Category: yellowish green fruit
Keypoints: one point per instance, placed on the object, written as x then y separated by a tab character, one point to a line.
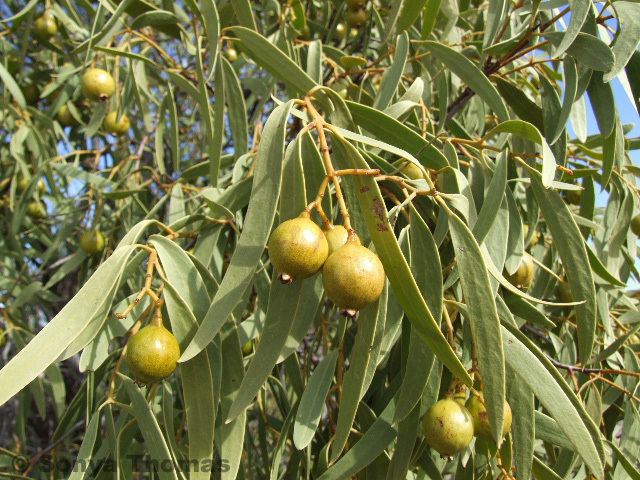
36	210
635	225
152	354
297	248
3	337
247	348
92	241
231	54
341	31
564	292
115	125
523	276
336	237
478	412
24	182
97	84
410	170
353	277
447	427
65	117
356	18
535	238
45	26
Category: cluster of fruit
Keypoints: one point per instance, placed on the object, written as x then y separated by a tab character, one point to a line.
352	275
451	423
97	85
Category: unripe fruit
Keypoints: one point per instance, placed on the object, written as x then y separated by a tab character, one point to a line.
353	277
36	210
447	427
353	4
635	225
231	54
152	354
247	348
97	84
410	170
535	238
297	248
341	31
23	184
523	276
573	196
45	26
478	412
31	93
115	125
65	117
356	18
336	237
92	241
564	292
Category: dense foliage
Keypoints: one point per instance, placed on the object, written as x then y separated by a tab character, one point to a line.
149	148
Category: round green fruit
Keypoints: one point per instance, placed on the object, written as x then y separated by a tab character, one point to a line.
65	118
45	26
478	412
247	348
635	225
231	54
152	354
448	427
36	210
523	276
92	241
24	182
353	277
564	292
410	170
356	18
354	4
115	125
337	236
297	248
341	31
97	84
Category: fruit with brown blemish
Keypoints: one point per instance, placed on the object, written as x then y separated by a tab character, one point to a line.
478	411
97	84
448	427
353	277
152	354
297	248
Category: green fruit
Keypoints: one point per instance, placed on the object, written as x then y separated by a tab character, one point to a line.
336	237
356	18
31	94
573	196
635	225
564	292
353	277
247	348
45	26
478	412
535	238
523	276
36	210
297	248
341	31
115	125
23	184
354	4
92	241
97	84
231	54
152	354
65	118
447	427
410	170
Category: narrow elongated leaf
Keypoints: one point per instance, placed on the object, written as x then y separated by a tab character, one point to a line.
392	77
